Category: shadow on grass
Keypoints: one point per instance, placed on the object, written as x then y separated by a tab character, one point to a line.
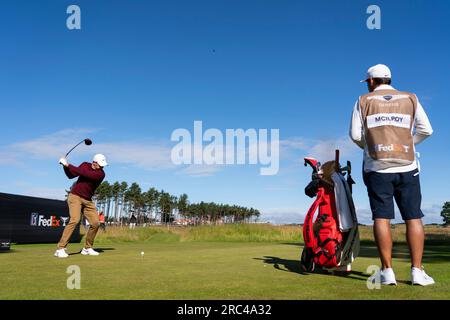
436	250
294	266
99	250
104	249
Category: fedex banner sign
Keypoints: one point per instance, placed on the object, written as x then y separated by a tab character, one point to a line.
38	220
33	220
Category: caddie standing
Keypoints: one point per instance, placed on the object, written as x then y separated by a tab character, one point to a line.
387	124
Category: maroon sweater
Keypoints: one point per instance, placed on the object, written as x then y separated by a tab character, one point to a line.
88	179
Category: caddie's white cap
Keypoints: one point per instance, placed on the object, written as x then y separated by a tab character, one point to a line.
101	160
378	71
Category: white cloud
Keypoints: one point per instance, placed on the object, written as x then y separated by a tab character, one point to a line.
151	155
432	215
325	150
201	170
144	155
8	158
283	215
28	189
322	150
296	143
364	215
47	193
297	215
51	146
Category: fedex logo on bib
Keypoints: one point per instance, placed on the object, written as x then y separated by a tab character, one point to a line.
389	119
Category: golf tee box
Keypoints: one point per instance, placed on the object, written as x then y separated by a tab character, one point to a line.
33	220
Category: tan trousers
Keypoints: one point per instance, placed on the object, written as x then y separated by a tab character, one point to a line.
78	206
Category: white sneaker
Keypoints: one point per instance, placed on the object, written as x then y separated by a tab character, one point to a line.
386	276
89	252
61	253
419	277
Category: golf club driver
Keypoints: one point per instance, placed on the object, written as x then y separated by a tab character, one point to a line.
87	142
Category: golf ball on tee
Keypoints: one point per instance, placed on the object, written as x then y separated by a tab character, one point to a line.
142	253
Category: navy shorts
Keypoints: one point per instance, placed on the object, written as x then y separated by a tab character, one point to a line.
404	187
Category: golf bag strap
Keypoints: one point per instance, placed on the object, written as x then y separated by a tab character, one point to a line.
324	243
325	253
308	232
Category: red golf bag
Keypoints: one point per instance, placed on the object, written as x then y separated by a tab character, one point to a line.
326	245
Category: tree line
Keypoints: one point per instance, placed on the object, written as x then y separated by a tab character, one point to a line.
120	201
445	213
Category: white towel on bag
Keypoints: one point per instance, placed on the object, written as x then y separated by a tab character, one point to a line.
344	212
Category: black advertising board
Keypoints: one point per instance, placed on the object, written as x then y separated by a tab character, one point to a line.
33	220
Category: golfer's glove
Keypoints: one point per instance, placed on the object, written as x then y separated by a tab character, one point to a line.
64	162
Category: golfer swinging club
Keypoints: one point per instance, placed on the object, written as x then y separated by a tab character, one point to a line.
387	124
90	176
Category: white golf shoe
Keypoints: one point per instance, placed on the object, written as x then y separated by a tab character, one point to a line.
419	277
89	252
61	253
386	277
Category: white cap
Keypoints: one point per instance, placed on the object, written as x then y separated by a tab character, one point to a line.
101	160
378	71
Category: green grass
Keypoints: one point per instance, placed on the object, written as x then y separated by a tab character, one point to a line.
230	262
223	233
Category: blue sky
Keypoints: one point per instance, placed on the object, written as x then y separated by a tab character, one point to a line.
137	70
